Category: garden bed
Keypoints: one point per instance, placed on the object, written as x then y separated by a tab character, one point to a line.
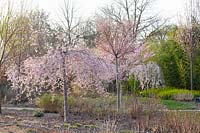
138	114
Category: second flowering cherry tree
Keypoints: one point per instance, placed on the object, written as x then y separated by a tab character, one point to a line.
117	43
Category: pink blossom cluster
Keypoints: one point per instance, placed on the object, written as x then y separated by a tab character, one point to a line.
44	74
149	75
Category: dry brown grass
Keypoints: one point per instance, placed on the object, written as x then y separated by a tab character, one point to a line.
181	122
133	107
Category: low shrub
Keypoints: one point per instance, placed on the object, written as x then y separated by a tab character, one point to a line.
168	94
150	92
50	103
131	85
53	103
196	93
38	113
171	94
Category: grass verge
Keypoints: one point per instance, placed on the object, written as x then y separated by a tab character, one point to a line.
177	105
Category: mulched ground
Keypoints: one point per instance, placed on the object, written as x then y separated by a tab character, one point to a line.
23	121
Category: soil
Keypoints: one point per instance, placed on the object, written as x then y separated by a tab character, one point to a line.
23	121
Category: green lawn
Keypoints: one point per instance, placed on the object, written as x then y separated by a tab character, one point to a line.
172	104
177	105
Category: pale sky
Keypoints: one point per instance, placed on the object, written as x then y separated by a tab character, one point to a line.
166	8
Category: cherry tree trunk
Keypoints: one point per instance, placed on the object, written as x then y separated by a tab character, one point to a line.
65	87
0	108
191	70
117	85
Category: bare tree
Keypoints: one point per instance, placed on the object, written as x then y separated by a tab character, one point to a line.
134	11
189	34
8	29
7	32
70	37
45	33
24	40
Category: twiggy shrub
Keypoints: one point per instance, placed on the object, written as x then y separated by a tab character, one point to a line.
109	126
133	107
188	96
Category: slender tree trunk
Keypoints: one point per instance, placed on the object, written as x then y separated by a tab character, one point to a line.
0	95
192	46
191	70
65	87
117	85
0	108
18	76
127	10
